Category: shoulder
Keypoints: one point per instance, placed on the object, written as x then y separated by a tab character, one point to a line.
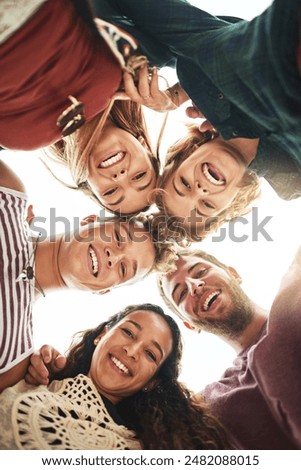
9	179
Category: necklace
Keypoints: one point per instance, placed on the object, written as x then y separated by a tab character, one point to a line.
28	273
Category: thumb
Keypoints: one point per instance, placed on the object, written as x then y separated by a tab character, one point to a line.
193	112
121	95
60	362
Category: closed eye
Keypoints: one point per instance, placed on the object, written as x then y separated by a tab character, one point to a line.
182	295
139	176
207	204
185	183
110	191
123	270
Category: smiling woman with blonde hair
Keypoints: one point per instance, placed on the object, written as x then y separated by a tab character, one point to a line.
111	159
204	184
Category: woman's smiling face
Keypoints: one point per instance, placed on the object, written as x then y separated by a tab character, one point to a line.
130	354
120	172
205	183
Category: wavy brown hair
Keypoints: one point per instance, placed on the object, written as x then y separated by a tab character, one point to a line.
179	152
166	417
72	150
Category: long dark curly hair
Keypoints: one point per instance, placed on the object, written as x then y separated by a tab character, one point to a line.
166	417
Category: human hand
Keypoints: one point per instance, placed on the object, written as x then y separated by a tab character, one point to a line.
193	112
147	92
43	364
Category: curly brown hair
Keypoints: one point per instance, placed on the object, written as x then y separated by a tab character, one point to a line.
177	153
166	417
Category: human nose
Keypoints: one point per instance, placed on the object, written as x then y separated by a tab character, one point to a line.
200	188
195	286
132	349
119	174
113	258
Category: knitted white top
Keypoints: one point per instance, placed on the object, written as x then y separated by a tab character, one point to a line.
68	414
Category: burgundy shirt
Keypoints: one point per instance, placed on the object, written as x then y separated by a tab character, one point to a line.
53	55
258	398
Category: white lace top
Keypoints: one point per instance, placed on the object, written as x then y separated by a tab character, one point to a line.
68	414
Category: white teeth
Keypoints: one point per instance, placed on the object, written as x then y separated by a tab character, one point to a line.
208	300
120	365
94	261
111	160
208	175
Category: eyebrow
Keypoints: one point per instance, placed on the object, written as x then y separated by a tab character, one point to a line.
174	290
155	343
135	267
145	186
192	267
176	189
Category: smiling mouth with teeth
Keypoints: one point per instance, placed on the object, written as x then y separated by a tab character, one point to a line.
210	300
120	366
213	175
116	158
94	261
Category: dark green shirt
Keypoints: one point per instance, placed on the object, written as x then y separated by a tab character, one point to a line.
241	74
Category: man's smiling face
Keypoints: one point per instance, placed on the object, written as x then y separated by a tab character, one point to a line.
207	296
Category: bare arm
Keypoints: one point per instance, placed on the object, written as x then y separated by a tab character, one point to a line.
14	375
9	179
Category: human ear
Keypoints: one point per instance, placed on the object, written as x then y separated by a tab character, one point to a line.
98	338
142	141
89	219
191	327
233	273
102	291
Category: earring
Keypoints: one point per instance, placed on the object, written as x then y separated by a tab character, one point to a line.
101	291
145	389
96	341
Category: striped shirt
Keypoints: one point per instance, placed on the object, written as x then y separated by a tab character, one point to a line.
16	294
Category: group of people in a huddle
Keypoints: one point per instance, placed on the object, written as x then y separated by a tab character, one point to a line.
76	88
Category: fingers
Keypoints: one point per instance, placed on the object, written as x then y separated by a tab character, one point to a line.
206	126
193	112
121	95
60	362
147	91
154	84
130	88
142	91
143	84
37	372
44	363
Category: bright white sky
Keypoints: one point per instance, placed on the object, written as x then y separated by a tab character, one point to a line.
261	263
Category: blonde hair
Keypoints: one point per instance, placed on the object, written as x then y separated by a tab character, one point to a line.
73	150
179	152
